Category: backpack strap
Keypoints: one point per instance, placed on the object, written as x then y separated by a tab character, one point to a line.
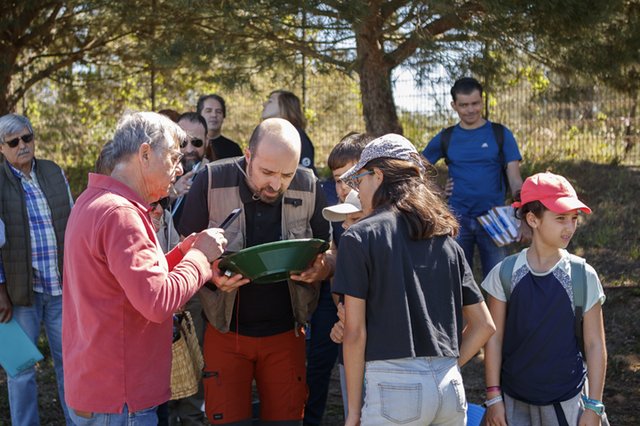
579	285
445	138
498	133
506	272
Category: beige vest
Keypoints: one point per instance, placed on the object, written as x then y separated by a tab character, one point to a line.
298	205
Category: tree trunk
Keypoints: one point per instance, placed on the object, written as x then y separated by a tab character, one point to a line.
378	105
7	68
4	102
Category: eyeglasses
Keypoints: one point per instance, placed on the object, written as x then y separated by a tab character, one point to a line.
15	141
197	143
354	181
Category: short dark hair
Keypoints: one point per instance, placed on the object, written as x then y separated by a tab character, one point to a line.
465	86
171	113
194	117
203	98
348	149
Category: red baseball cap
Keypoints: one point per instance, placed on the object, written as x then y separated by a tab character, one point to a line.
553	191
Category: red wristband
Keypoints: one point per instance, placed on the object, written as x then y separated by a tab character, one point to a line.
494	389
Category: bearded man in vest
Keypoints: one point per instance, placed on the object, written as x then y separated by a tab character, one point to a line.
35	203
254	331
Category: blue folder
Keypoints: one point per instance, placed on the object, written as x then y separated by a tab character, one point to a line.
475	413
17	351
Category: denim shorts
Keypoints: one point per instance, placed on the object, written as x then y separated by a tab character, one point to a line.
414	391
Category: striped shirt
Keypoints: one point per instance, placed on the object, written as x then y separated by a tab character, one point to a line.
44	247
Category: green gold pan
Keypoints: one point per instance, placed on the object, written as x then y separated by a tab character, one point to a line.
272	262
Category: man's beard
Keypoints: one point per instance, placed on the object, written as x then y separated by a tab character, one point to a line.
264	194
190	160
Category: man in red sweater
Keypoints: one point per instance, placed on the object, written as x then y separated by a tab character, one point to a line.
120	290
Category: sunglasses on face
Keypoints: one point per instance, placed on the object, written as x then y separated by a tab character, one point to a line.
164	202
15	141
197	143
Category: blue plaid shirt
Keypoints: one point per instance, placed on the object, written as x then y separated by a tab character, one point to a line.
44	247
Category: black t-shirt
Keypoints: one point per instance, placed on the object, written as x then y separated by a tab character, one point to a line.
260	309
178	204
414	289
222	147
307	152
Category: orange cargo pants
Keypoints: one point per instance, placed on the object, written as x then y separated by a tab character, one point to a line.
232	362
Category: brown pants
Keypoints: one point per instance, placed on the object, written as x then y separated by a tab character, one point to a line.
232	362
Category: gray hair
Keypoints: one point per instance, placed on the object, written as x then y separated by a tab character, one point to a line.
13	123
136	128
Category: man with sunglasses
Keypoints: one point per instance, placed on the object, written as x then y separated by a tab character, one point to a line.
193	148
35	203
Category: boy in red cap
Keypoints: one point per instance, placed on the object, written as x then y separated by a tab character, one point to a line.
536	372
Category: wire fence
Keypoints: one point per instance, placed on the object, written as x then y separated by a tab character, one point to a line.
603	127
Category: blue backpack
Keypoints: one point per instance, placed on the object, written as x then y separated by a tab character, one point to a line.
578	283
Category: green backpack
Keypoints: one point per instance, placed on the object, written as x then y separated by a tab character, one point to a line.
578	282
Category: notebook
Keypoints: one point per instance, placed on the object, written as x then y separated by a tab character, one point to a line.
17	352
501	225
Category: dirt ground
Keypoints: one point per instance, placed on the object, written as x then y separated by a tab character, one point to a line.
621	396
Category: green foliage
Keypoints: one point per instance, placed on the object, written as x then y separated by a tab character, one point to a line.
420	128
155	54
331	105
534	76
73	120
173	46
610	52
